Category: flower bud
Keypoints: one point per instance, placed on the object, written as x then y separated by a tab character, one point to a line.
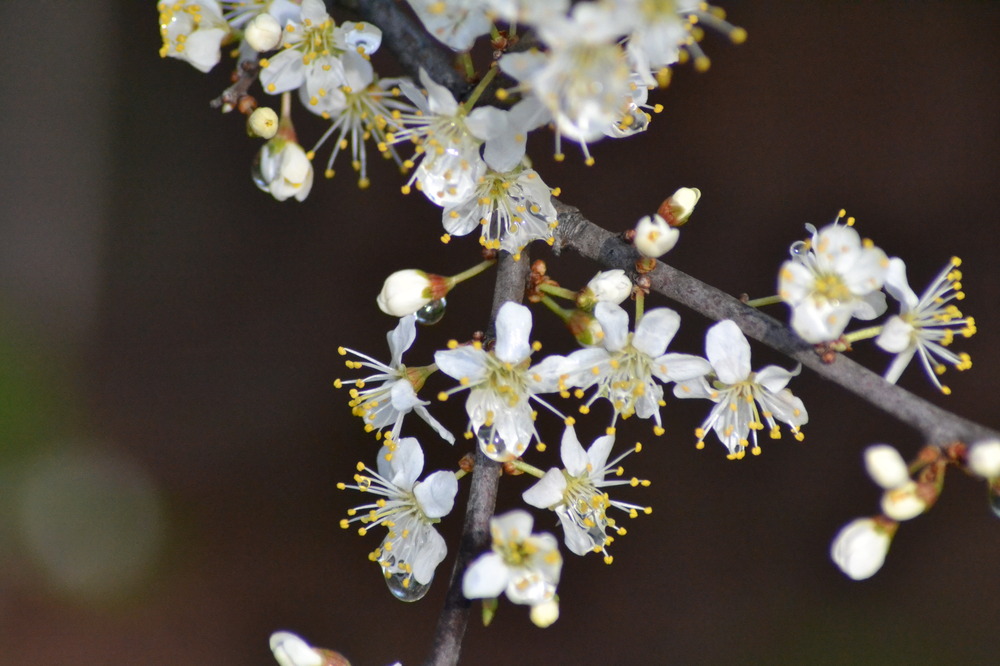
263	122
406	291
886	467
678	208
984	459
283	169
904	502
545	613
585	328
607	286
263	32
654	237
859	549
290	650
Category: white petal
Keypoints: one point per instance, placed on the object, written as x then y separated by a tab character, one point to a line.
897	285
407	462
679	367
436	494
728	351
403	397
431	552
896	336
859	549
462	362
598	454
548	491
434	423
290	650
655	331
870	306
614	323
440	99
774	378
577	539
574	458
485	578
401	337
513	330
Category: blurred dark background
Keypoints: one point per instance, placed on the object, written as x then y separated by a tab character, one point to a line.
170	437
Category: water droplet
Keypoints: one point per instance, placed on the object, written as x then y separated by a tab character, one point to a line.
405	587
995	500
257	173
432	312
487	436
799	249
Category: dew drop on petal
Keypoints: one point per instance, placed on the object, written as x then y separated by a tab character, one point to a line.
413	591
488	435
431	313
799	249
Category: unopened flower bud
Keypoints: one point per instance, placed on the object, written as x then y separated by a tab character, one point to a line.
984	458
904	502
678	208
263	122
886	467
859	549
545	613
263	32
283	169
654	237
607	286
585	328
406	291
290	650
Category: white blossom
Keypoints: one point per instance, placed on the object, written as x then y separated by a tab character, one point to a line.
263	32
611	286
576	493
859	549
408	508
984	458
903	502
624	370
830	278
654	237
192	31
283	170
263	122
737	392
385	398
886	467
925	326
501	384
524	566
406	291
510	209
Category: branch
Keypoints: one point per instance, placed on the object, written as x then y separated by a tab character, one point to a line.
938	426
512	278
414	47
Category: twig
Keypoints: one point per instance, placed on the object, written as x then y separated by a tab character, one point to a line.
938	426
512	277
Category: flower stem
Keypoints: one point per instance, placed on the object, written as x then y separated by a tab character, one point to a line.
640	304
560	311
527	469
766	300
479	90
561	292
470	68
862	334
470	272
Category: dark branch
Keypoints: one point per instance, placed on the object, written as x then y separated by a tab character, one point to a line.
512	277
937	425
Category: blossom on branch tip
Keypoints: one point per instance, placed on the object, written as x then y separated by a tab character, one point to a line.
611	286
886	467
501	384
408	508
385	398
524	566
744	400
625	369
859	549
830	278
406	291
925	326
263	122
576	493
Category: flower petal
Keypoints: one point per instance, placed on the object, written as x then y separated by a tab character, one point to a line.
548	491
513	330
655	331
436	494
728	351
